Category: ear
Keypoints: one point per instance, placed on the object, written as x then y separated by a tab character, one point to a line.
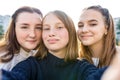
105	33
106	30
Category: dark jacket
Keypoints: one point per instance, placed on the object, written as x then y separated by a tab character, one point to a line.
53	68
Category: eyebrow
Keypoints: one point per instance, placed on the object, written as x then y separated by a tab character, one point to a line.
24	24
93	20
55	24
28	24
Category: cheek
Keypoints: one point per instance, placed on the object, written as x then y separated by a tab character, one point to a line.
20	34
99	32
20	37
79	32
65	35
39	35
44	36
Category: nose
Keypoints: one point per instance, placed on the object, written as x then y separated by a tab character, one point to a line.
32	33
51	33
85	29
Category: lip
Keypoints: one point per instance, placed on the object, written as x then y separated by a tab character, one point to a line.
52	41
32	41
85	36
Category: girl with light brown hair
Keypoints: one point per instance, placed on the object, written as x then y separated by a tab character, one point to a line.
97	36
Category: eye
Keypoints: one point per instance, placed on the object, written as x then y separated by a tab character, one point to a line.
80	25
59	27
93	24
46	28
24	27
39	27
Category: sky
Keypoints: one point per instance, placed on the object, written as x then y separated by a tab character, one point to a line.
72	7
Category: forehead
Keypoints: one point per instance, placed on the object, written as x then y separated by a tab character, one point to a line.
51	18
91	14
27	16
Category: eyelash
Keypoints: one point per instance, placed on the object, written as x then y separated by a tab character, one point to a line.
89	24
39	28
46	28
80	26
24	27
59	27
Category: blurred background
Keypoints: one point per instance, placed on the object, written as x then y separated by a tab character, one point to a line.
72	7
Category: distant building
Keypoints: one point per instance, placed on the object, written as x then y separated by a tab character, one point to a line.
4	21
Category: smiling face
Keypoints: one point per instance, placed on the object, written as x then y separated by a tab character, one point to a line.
28	30
91	28
55	34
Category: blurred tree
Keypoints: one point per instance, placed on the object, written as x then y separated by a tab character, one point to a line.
118	24
118	33
1	30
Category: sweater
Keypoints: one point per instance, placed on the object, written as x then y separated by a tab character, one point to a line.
53	68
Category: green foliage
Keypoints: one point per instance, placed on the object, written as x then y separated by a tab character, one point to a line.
118	32
118	24
1	30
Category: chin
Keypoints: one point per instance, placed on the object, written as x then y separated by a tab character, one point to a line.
86	44
31	48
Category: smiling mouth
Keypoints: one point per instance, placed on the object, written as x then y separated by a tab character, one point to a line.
31	41
85	37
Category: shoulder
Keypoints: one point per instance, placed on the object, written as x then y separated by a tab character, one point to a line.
6	65
27	69
86	69
89	71
29	61
85	66
26	66
85	63
97	75
3	52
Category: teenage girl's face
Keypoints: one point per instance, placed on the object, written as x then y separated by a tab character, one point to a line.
55	35
28	30
91	28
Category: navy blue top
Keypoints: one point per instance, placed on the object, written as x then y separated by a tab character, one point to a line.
53	68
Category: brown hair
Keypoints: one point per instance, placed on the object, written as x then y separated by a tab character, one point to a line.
72	47
9	41
109	39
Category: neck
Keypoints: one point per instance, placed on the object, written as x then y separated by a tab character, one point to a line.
58	53
97	50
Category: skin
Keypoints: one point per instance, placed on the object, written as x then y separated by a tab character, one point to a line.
55	35
91	30
28	30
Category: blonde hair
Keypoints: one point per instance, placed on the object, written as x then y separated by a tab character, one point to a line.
72	47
